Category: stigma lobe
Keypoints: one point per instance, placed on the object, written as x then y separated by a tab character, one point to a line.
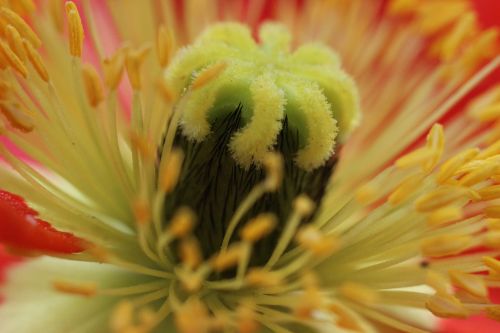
20	228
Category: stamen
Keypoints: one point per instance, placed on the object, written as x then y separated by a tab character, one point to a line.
15	42
134	61
492	263
122	316
182	223
438	282
444	215
358	293
490	192
414	158
13	60
190	253
165	46
311	239
246	319
258	227
451	166
93	86
21	26
407	187
492	212
208	74
171	170
81	289
259	277
446	306
113	69
473	284
36	60
485	170
17	118
446	245
228	258
75	29
440	197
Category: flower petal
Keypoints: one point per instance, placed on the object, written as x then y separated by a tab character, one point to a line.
32	305
20	228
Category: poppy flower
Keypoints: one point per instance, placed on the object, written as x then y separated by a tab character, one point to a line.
248	166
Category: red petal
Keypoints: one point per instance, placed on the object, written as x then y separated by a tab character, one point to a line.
20	228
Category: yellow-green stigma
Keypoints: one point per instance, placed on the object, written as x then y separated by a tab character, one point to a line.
241	101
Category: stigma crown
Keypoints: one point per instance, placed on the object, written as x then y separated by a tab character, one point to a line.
270	83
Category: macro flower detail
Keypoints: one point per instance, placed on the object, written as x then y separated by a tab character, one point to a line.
178	167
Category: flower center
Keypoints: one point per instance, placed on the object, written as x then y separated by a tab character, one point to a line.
243	100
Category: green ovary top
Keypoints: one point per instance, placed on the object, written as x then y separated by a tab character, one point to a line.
267	82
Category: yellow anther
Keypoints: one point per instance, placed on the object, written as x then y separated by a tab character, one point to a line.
451	166
258	227
142	210
463	29
15	41
471	283
93	87
490	192
493	264
435	142
311	239
492	150
303	205
435	16
491	239
227	259
246	319
446	306
441	197
493	224
82	289
492	212
192	317
415	158
345	318
273	163
142	145
171	170
12	59
36	60
75	29
113	69
17	117
260	277
444	215
489	113
134	61
190	253
122	316
482	47
358	293
438	282
446	245
21	26
182	223
407	187
311	298
366	193
208	74
165	46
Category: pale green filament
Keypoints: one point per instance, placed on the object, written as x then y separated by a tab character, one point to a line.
270	82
